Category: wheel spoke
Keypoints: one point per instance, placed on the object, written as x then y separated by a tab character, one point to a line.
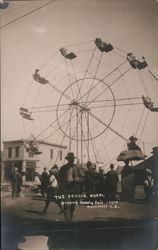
109	86
86	73
108	127
102	80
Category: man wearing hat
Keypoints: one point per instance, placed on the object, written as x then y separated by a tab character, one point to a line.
132	144
69	183
69	175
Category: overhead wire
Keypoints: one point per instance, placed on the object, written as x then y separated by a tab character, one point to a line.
47	60
28	13
14	9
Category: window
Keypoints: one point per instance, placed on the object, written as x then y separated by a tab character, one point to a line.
61	155
51	153
30	171
9	152
17	149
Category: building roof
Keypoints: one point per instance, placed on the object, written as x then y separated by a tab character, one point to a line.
144	164
39	141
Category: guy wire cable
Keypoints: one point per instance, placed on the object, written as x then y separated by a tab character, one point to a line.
30	12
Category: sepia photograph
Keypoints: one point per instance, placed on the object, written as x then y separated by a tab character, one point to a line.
79	119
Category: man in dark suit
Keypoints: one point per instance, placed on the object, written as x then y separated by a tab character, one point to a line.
128	182
69	176
112	180
90	179
69	184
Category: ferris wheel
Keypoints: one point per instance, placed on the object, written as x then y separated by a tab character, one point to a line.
91	96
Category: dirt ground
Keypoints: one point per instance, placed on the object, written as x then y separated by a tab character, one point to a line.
97	227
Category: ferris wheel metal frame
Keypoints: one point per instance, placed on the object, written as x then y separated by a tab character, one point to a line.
81	108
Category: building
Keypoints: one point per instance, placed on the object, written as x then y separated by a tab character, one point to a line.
15	154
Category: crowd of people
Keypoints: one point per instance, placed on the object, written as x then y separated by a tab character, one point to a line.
72	179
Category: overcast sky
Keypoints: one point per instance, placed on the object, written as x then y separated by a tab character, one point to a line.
30	35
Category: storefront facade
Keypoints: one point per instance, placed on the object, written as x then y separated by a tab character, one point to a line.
15	155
